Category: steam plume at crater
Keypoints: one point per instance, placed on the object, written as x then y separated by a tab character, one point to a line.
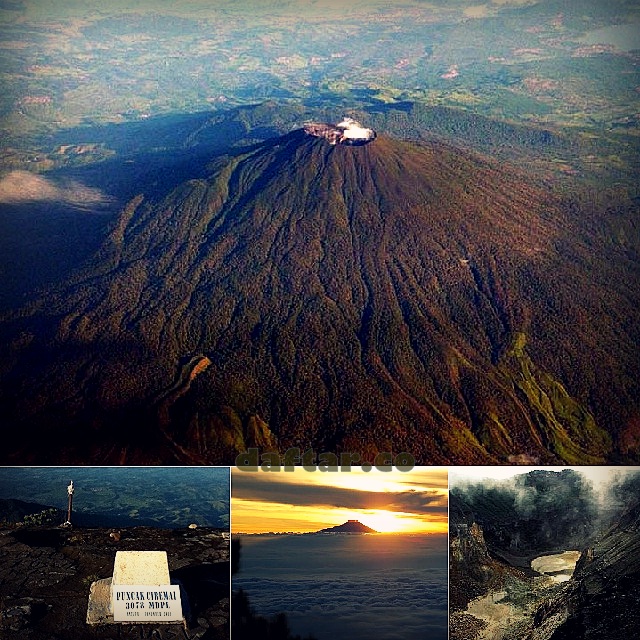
348	132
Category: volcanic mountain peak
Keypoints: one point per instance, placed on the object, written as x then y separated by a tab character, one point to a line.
351	526
393	296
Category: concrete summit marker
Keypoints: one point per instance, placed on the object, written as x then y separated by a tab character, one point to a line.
139	592
141	567
142	603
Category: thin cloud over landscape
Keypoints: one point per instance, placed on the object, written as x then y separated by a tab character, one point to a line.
19	187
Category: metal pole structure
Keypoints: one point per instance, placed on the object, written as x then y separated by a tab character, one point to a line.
70	492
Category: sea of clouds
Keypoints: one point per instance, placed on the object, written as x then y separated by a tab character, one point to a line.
356	587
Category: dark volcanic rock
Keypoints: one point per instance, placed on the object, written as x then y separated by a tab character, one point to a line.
46	574
472	569
601	601
539	512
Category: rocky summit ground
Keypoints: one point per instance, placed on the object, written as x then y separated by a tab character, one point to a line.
46	574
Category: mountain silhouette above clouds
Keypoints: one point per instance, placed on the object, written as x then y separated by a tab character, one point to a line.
351	526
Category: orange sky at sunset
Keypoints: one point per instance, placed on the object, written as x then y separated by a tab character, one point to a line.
303	501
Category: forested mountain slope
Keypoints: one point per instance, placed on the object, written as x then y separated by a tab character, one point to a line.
396	296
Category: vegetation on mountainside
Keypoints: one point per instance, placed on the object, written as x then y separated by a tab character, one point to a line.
356	299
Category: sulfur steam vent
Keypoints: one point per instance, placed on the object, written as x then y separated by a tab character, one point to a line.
349	132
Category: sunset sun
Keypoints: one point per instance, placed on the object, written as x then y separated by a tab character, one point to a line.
394	522
384	522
